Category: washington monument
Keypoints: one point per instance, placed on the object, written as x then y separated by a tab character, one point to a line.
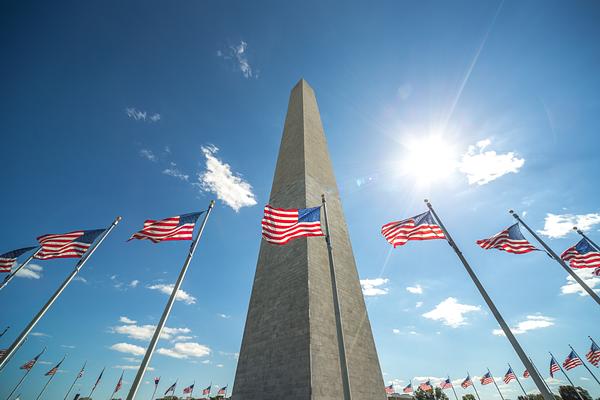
292	347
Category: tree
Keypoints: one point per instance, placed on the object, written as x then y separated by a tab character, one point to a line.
440	395
569	393
468	396
435	394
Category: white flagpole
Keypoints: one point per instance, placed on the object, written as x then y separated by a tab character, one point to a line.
24	376
594	245
13	347
473	384
75	381
497	388
49	380
13	273
586	367
566	376
518	381
163	319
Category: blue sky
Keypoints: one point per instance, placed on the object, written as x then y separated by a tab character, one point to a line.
150	109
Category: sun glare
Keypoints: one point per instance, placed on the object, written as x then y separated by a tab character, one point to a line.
428	159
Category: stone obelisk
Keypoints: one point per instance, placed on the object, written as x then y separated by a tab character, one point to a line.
290	349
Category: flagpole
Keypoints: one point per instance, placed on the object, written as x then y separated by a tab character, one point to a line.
13	347
455	396
24	376
155	387
96	384
49	380
337	309
4	331
518	381
10	276
586	367
163	319
473	384
566	376
5	359
558	259
117	387
586	238
497	388
509	335
75	381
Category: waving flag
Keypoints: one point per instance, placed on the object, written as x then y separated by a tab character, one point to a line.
420	227
467	382
525	374
582	255
487	379
554	367
80	374
425	386
156	381
509	376
408	388
189	389
207	390
171	388
180	227
223	390
66	245
389	389
572	361
98	380
593	356
7	260
510	240
280	225
119	384
53	370
446	384
30	364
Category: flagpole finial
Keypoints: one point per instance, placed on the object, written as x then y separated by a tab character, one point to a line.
426	201
511	211
119	218
212	203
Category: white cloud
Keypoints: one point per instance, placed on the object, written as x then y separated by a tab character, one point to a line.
145	332
148	155
132	367
572	287
371	287
139	115
80	279
185	350
30	271
419	304
224	316
182	295
559	225
39	334
134	283
175	172
219	365
126	320
451	312
396	331
229	187
482	167
128	348
67	346
417	289
238	55
530	323
132	359
182	338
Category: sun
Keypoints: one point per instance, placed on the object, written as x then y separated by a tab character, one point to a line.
428	159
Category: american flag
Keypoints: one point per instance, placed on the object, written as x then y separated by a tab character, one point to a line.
7	260
572	361
593	356
189	389
180	227
80	374
119	384
582	255
525	374
554	367
425	386
446	384
98	380
389	389
29	364
467	382
223	390
509	376
487	379
420	227
66	245
510	240
207	390
280	225
156	381
171	388
408	388
53	370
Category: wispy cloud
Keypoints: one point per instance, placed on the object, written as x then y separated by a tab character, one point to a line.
218	178
559	225
126	320
131	367
134	283
141	115
80	279
175	172
128	348
30	271
145	332
373	287
185	350
417	289
239	56
451	313
182	295
39	334
224	316
587	274
148	155
483	167
531	322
